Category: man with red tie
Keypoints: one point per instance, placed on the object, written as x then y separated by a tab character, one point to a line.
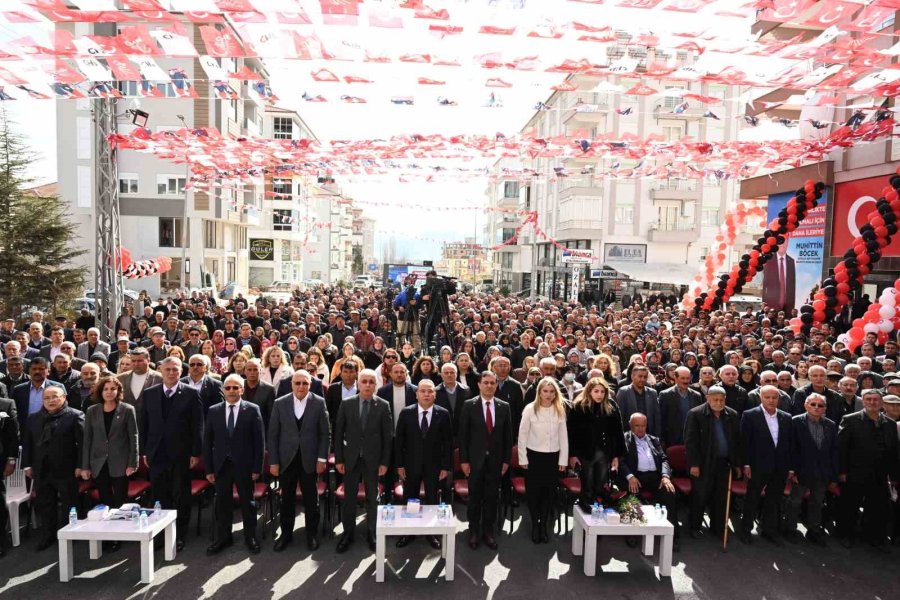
485	447
780	281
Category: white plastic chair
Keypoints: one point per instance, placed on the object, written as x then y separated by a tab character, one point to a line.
17	493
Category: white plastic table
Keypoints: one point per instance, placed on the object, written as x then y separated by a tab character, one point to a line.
97	532
427	524
586	531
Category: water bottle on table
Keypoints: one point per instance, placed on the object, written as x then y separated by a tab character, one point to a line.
144	520
157	510
657	512
135	515
596	512
73	516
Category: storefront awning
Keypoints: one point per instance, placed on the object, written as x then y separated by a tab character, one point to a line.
671	273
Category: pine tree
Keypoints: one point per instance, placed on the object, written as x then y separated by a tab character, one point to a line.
357	266
36	246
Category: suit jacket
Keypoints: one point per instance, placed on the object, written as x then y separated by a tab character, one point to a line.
629	466
474	441
859	457
387	393
45	352
809	461
62	447
760	452
333	400
443	400
118	449
771	295
312	439
21	394
9	430
375	441
264	398
699	438
211	392
25	364
627	402
83	351
153	378
671	416
428	454
513	394
285	387
181	434
245	446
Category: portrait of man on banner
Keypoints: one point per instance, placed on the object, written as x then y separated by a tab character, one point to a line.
780	281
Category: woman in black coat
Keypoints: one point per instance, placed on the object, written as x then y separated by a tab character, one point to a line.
596	440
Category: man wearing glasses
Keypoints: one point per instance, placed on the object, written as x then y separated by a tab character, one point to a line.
210	389
298	451
192	346
233	448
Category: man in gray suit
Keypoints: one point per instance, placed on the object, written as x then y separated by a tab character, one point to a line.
93	344
138	379
363	437
638	398
298	451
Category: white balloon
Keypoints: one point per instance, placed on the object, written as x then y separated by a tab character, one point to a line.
887	312
888	297
871	328
843	338
886	326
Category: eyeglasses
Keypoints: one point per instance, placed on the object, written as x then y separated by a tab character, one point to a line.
232	387
196	364
816	405
390	356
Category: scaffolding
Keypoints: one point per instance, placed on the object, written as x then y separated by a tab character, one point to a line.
108	287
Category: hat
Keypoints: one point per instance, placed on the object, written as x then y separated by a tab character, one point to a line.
891	399
891	377
98	356
833	375
156	331
123	338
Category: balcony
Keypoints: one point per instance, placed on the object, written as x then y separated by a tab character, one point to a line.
250	217
678	231
579	228
674	189
691	113
580	187
585	107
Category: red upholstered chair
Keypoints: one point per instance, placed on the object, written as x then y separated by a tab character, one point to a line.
516	489
570	490
400	496
201	490
677	456
340	493
460	483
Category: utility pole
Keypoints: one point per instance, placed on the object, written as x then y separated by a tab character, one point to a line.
108	285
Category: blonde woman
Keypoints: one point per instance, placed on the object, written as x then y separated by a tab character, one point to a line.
596	440
543	453
605	363
348	350
315	364
275	367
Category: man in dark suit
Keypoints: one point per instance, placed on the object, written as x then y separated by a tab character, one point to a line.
645	468
259	392
342	389
712	440
233	448
138	380
485	448
50	349
9	454
867	460
210	390
51	455
285	386
123	345
766	437
814	461
398	392
29	397
639	397
674	404
171	443
451	396
780	281
298	451
510	391
363	438
424	450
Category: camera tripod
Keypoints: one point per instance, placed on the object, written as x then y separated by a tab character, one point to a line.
437	324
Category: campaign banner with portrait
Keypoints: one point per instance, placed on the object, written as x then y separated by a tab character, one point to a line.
796	268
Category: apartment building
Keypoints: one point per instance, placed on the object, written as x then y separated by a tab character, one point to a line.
466	261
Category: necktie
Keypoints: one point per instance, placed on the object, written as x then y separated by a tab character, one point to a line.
488	419
364	415
230	420
782	282
169	393
424	423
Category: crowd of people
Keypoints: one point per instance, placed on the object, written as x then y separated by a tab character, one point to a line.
677	408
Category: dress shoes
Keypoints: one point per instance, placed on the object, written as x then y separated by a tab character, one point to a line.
404	541
344	543
489	541
473	541
282	542
536	533
434	541
312	543
252	545
45	543
218	546
773	539
179	545
370	539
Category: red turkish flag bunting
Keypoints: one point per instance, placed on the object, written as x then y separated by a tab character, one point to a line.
494	30
220	42
141	5
136	40
123	69
324	76
831	13
640	90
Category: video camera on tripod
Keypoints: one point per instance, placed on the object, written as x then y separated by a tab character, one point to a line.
435	293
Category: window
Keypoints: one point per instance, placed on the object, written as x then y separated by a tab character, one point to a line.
128	183
283	186
709	216
170	185
171	279
242	238
624	214
171	232
673	101
281	220
210	234
167	90
233	110
283	128
673	133
127	88
511	189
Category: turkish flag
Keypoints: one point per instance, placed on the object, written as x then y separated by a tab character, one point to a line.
870	18
138	41
141	5
831	13
853	201
123	69
221	42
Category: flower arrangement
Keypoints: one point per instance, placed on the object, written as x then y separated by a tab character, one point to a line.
630	511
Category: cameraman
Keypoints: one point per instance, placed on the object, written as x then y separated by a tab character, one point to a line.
407	304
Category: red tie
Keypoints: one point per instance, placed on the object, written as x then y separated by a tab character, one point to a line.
488	419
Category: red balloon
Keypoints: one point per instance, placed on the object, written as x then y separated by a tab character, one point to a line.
882	338
858	322
863	270
856	333
864	259
897	285
841	276
876	220
843	298
881	232
819	316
